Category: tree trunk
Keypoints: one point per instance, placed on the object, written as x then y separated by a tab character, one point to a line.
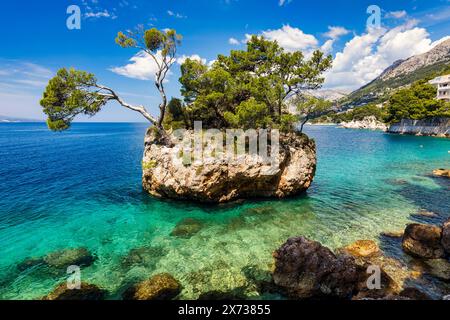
303	124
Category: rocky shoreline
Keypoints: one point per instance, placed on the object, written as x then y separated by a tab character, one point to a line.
369	123
304	269
436	127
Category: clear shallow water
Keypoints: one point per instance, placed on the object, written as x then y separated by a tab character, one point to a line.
82	188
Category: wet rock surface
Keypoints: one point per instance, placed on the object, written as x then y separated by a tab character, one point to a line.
423	241
398	234
443	173
362	248
159	287
445	241
439	268
306	269
86	292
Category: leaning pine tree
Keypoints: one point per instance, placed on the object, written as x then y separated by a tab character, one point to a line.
72	92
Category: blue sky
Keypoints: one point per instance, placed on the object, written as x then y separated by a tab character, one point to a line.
36	41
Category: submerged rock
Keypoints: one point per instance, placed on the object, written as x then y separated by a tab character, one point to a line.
394	274
444	173
439	268
220	180
144	256
187	228
29	263
446	236
425	213
392	234
306	269
159	287
86	292
64	258
414	294
423	241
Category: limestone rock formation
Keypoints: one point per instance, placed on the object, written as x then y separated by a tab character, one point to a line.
423	241
218	180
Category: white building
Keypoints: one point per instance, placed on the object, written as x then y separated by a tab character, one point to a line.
443	87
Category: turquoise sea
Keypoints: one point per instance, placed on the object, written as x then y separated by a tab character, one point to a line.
82	188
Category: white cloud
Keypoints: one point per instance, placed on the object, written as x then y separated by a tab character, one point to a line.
17	75
142	67
283	2
196	57
397	14
366	56
291	39
233	41
327	47
100	14
21	86
175	14
336	32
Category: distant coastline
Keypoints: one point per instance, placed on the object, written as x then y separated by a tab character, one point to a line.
4	119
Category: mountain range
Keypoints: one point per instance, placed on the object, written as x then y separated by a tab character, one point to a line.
400	74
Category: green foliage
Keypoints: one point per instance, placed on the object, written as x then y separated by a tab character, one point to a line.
249	88
417	102
69	94
357	114
148	165
249	114
175	115
151	40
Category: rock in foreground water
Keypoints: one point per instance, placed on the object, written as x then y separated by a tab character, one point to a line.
86	292
160	287
306	269
423	241
64	258
444	173
362	248
446	236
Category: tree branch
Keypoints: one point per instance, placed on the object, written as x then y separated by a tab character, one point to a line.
114	96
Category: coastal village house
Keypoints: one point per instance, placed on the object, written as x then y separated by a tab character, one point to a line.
443	87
